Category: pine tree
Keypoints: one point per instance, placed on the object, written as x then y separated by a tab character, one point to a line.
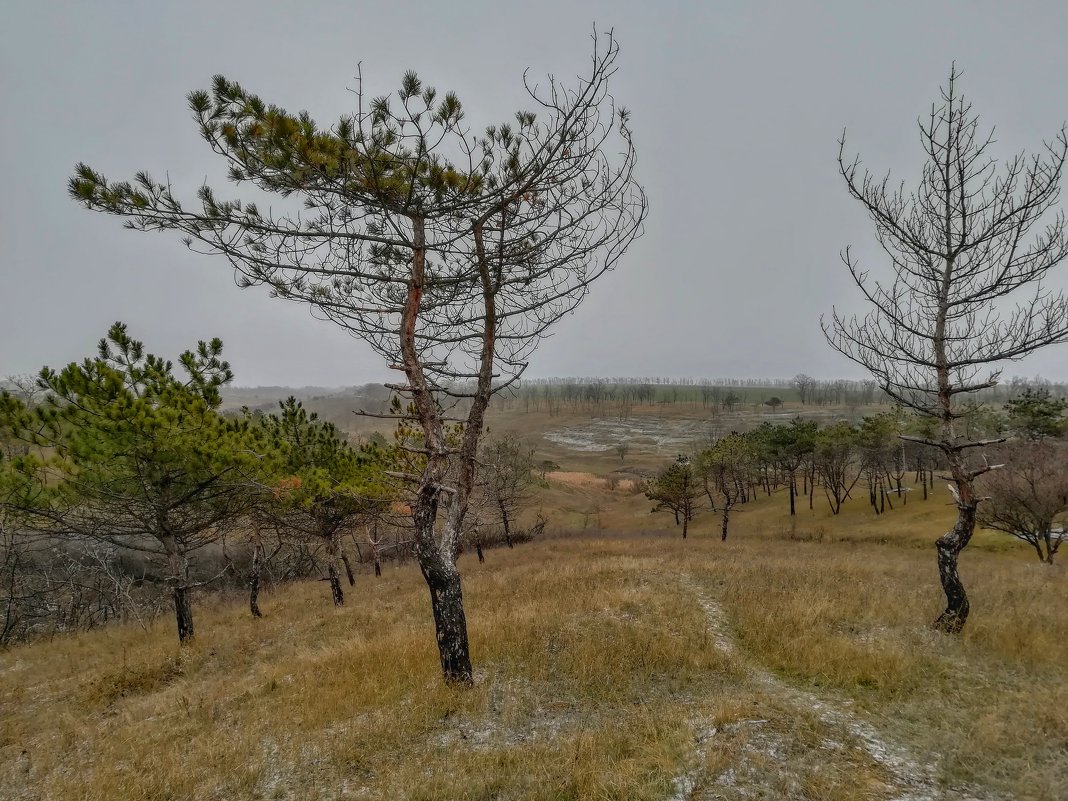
450	253
322	488
127	452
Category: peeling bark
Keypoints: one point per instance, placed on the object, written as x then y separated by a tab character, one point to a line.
450	624
948	547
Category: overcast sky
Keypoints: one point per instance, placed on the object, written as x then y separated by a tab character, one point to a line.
737	107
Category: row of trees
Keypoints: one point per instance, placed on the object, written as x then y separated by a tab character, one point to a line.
797	458
119	471
620	397
1027	498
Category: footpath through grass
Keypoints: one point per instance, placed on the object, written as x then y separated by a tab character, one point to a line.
608	667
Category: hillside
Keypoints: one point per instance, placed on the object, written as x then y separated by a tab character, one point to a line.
619	661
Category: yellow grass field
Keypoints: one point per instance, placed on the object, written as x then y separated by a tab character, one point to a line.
620	662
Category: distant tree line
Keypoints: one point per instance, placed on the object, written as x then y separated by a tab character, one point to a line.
621	396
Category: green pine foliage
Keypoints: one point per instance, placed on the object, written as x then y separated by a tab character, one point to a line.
125	450
321	482
1036	414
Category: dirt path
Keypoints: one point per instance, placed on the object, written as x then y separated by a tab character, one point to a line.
915	779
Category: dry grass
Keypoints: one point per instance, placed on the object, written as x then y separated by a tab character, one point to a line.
603	673
993	704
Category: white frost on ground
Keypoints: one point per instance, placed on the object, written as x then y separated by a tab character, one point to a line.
602	434
915	779
659	434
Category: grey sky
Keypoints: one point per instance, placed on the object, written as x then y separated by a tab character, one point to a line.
736	106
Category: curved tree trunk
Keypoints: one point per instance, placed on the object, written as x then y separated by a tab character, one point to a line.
948	548
955	615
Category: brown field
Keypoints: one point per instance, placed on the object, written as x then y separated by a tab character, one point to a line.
614	661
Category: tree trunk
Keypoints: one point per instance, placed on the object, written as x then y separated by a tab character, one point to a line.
507	526
254	583
183	609
725	521
949	546
450	623
376	556
478	550
183	602
334	550
708	494
685	525
335	584
348	568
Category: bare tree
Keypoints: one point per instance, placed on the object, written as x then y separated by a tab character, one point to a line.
507	479
963	246
449	253
804	385
1028	499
